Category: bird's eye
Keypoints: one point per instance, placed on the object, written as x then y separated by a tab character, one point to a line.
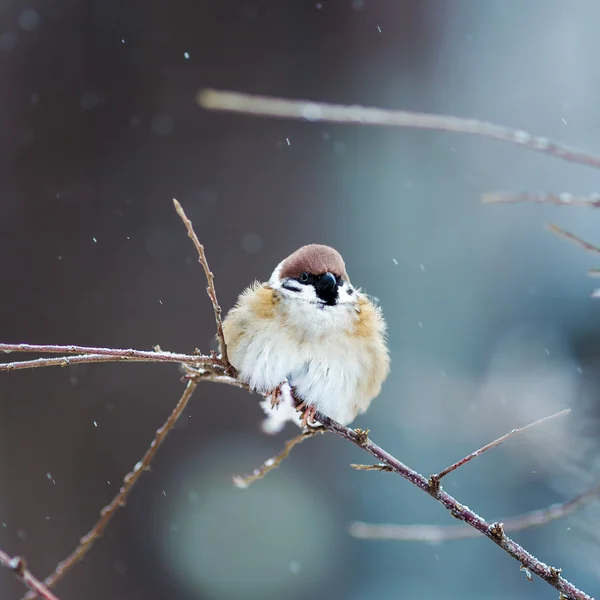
304	277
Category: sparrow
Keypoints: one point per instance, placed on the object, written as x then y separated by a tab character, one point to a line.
309	331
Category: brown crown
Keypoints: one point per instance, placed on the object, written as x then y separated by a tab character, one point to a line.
314	259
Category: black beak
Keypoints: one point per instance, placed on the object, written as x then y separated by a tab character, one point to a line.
326	288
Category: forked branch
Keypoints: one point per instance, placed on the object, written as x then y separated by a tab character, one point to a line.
212	369
436	478
493	531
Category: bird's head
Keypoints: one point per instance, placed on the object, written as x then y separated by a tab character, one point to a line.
314	274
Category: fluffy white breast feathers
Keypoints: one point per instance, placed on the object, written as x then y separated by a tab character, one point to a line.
309	332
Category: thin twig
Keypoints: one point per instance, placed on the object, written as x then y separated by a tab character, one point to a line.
19	569
573	238
210	278
564	199
497	442
107	513
244	481
439	533
337	113
493	531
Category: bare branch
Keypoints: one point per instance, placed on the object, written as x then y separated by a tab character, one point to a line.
493	531
93	354
497	442
19	569
210	279
65	361
439	533
244	481
207	372
107	513
338	113
564	199
573	238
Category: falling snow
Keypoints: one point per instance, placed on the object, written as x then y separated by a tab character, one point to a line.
295	567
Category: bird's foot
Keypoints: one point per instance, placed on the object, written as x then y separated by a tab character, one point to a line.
308	414
276	396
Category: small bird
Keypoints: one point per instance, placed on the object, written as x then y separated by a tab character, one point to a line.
310	328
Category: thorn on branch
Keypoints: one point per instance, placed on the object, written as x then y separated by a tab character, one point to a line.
17	565
497	530
362	436
434	484
527	572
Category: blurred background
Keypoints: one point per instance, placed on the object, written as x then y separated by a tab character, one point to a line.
491	323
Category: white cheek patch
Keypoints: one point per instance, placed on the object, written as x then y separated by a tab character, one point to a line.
346	293
308	294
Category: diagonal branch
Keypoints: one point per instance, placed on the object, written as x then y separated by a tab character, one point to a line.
493	531
337	113
439	533
107	513
210	278
19	569
436	478
573	238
